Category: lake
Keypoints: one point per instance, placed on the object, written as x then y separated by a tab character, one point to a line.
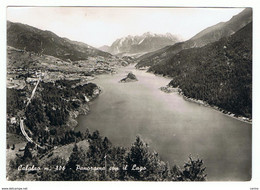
172	126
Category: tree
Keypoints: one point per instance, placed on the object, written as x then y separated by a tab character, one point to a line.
27	153
54	174
137	157
95	135
96	151
70	172
86	134
106	144
193	170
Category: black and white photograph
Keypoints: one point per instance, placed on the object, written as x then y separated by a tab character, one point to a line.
129	93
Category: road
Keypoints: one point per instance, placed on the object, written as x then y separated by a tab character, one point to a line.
33	92
29	139
26	135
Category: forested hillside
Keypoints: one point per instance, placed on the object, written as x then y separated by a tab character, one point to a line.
32	39
102	161
51	110
219	73
206	36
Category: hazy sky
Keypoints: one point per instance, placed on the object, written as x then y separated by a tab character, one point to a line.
101	26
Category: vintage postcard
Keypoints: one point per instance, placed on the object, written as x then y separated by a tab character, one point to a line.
128	93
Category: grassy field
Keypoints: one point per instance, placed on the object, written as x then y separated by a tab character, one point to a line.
65	151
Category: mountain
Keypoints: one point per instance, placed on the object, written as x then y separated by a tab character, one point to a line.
223	29
32	39
209	35
219	73
104	48
142	44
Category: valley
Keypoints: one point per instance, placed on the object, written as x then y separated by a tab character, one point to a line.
177	110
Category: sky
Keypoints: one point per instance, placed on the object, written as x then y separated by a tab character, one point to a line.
98	26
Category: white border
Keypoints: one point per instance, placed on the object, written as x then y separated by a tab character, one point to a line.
255	182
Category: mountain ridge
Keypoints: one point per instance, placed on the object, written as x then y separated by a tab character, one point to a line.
141	43
206	36
29	38
219	73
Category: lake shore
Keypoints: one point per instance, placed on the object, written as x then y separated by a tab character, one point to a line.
168	89
123	110
83	109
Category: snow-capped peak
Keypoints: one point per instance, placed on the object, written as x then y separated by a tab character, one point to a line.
149	34
142	43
